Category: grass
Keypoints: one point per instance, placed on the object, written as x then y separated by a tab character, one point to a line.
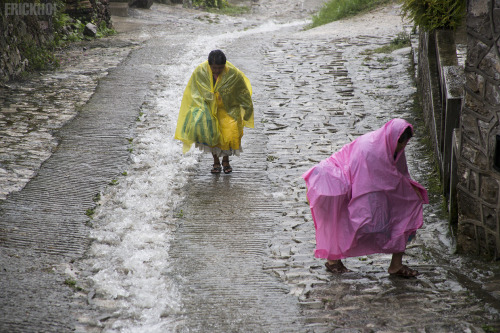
230	10
90	212
402	40
335	10
72	284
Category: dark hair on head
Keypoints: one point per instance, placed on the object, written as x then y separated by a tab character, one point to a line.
406	135
216	57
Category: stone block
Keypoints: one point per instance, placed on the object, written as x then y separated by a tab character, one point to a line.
490	65
472	103
90	30
463	173
468	229
493	245
492	95
481	235
475	49
483	129
141	3
478	7
118	9
489	218
489	189
496	16
474	182
470	207
475	83
470	151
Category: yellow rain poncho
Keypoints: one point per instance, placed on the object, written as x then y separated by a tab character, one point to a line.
214	114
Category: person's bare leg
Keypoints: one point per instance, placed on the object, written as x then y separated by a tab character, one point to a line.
225	165
216	167
397	268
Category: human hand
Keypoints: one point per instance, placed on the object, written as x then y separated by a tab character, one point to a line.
417	191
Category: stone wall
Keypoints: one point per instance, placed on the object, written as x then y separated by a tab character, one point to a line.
478	179
17	32
20	32
89	10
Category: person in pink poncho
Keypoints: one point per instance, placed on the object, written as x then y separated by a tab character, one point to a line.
363	200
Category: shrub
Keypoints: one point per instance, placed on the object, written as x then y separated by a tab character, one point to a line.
435	14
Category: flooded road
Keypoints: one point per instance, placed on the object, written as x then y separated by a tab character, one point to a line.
166	246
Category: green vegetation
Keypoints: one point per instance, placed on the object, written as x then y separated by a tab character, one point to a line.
489	329
433	180
435	14
90	212
210	3
335	10
232	10
72	284
39	58
221	7
401	40
41	55
385	60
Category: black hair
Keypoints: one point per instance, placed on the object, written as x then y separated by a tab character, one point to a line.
216	57
406	135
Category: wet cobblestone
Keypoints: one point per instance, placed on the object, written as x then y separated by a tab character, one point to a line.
32	110
323	93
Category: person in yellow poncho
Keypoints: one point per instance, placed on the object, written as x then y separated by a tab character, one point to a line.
216	105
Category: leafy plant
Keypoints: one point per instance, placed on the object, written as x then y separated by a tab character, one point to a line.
435	14
39	58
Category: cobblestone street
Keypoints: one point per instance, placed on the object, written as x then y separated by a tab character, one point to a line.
167	247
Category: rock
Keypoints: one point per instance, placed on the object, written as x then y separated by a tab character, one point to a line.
90	30
142	3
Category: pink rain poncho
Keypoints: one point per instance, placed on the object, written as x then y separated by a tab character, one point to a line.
362	199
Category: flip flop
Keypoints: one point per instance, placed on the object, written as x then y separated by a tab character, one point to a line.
338	268
226	167
406	272
216	168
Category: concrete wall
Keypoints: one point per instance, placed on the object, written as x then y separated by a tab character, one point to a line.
478	180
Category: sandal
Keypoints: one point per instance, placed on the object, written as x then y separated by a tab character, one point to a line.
216	168
406	272
337	268
227	168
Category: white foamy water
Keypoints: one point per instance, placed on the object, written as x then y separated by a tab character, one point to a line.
134	224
